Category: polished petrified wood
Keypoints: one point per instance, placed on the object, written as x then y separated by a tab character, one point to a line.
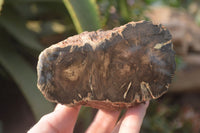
111	69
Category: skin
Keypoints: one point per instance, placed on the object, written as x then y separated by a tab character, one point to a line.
63	119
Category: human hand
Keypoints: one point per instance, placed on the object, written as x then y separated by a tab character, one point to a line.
63	119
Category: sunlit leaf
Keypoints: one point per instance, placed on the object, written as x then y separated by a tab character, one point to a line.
1	4
84	14
124	10
28	1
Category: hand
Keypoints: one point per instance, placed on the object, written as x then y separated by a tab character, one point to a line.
63	119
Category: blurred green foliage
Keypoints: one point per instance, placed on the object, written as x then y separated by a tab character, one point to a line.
84	14
28	26
1	3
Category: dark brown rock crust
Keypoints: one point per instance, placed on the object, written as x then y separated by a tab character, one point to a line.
111	69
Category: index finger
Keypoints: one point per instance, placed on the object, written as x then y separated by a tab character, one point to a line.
62	119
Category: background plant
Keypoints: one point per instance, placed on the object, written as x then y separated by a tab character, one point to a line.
28	26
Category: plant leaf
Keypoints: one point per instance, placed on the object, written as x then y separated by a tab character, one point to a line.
84	14
17	27
24	77
29	1
124	10
1	4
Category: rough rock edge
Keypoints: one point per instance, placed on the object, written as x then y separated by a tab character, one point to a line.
106	104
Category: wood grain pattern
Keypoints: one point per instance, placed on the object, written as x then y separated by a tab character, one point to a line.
111	69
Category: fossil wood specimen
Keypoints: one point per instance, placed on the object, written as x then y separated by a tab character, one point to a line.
186	42
108	69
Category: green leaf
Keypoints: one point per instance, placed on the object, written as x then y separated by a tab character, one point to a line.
29	1
124	10
25	78
16	26
1	4
85	117
34	10
84	14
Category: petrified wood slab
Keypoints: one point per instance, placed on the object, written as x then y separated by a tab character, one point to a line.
111	69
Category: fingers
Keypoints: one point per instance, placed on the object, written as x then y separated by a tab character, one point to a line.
62	120
104	122
132	121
